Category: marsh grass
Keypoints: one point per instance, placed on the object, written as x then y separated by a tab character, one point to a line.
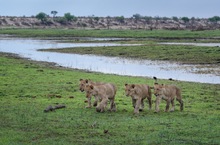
165	34
152	51
27	88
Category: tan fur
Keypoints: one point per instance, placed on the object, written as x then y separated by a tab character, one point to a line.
104	92
138	93
168	93
82	84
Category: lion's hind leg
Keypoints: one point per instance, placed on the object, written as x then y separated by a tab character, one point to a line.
173	105
101	107
179	99
112	105
168	105
181	103
149	102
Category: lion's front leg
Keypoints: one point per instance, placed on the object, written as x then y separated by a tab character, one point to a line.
133	102
142	105
96	101
138	103
89	102
158	99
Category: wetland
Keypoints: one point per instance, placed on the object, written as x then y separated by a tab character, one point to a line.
28	86
123	56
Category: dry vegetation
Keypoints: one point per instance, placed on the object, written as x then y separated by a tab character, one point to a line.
110	23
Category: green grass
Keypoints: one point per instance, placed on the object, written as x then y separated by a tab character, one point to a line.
179	53
177	34
27	88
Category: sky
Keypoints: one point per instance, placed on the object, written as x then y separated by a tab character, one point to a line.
103	8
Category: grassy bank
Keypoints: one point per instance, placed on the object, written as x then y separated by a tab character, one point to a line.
176	34
178	53
27	88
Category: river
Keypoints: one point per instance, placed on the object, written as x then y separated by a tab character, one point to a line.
28	48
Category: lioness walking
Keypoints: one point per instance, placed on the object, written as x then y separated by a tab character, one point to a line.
82	84
168	93
104	92
138	93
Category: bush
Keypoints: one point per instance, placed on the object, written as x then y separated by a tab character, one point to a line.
70	17
214	19
120	19
42	16
61	20
185	19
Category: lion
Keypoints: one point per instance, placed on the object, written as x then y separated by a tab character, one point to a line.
82	84
138	93
104	92
167	93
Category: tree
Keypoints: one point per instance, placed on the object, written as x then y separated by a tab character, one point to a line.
175	18
193	21
42	16
108	18
148	20
137	17
214	19
54	13
185	19
96	18
70	17
120	19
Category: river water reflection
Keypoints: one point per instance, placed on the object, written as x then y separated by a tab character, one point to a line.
28	48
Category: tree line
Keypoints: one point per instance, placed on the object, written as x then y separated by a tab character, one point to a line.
69	17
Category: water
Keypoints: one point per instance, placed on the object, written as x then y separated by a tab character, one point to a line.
113	65
195	44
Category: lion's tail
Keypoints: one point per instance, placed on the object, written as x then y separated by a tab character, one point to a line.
155	78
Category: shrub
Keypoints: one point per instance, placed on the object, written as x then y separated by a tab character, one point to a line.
42	16
70	17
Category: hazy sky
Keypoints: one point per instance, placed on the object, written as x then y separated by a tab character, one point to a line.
126	8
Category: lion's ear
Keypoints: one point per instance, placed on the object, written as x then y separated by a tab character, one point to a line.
91	87
80	79
132	85
126	84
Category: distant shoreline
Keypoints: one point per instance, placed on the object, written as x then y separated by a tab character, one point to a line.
150	23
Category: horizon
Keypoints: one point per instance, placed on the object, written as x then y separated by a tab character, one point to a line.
112	8
51	16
